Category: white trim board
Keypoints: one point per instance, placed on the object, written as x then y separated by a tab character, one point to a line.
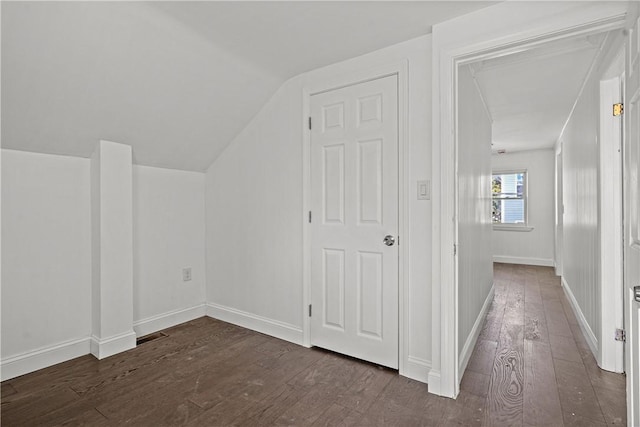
166	320
417	369
104	347
611	352
401	69
460	41
589	336
523	260
470	343
434	380
274	328
43	357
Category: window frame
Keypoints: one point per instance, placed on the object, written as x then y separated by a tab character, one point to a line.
525	226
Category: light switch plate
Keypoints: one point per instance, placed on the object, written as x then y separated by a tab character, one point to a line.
424	190
186	274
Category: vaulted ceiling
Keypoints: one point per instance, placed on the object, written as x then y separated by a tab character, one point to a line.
176	80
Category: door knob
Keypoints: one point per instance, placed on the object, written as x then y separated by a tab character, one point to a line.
389	240
636	293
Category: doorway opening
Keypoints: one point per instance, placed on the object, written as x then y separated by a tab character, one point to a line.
561	23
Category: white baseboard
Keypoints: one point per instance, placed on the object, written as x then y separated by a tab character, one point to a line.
470	343
162	321
590	337
24	363
417	369
274	328
434	382
558	268
542	262
105	347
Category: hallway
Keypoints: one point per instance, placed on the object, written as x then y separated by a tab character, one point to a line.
531	361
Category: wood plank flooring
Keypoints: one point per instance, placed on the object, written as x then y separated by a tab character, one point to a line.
541	372
531	367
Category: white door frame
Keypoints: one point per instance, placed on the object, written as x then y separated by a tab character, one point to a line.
610	352
339	81
631	216
461	40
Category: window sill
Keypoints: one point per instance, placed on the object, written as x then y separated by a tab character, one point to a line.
521	228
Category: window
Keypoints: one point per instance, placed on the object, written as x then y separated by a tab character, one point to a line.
509	191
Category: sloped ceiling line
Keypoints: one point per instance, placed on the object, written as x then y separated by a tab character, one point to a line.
482	96
177	80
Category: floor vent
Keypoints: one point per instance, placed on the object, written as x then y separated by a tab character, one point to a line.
150	337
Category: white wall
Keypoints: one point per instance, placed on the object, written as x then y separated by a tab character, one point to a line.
535	247
254	224
47	265
475	266
582	181
580	254
255	208
46	262
168	235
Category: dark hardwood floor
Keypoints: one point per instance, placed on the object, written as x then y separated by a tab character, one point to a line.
531	367
532	361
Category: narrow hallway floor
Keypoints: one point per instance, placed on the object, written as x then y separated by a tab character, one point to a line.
532	363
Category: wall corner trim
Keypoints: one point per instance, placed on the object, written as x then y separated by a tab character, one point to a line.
589	336
434	381
43	357
274	328
470	343
104	347
166	320
417	369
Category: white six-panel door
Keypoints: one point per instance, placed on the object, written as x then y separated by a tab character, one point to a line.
354	201
632	223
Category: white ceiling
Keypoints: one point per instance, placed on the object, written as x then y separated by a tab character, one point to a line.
530	94
176	80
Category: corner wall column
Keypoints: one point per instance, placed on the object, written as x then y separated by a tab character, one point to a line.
112	249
